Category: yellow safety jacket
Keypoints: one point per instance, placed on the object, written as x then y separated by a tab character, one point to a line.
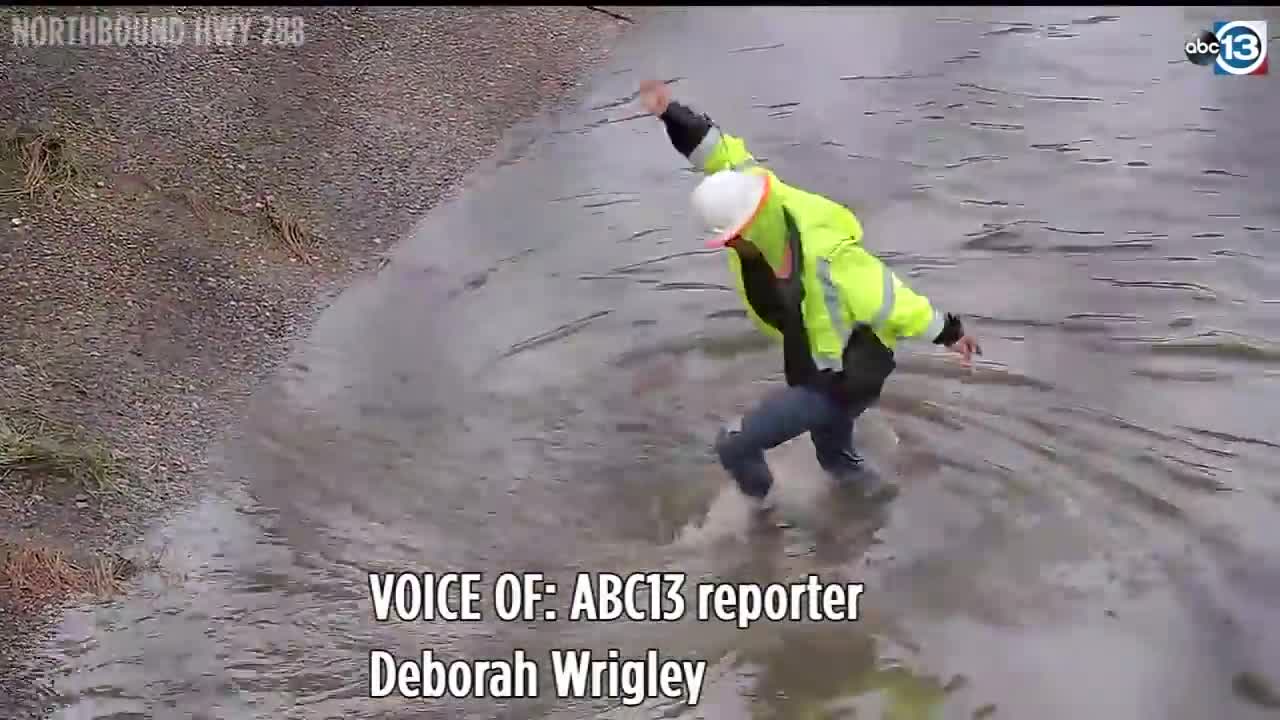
844	285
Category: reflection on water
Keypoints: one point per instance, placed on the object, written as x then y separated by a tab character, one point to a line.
1088	515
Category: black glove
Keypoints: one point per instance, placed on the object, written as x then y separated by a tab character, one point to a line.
952	331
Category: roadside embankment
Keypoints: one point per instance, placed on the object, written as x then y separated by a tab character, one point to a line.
172	217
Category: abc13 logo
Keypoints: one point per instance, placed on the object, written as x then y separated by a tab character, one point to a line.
1236	47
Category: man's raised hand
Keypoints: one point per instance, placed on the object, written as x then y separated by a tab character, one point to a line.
655	96
966	347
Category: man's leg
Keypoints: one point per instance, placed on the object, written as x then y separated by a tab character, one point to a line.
782	415
833	443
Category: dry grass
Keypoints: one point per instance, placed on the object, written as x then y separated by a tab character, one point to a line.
287	229
33	576
44	165
37	447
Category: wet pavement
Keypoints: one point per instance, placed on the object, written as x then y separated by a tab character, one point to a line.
532	383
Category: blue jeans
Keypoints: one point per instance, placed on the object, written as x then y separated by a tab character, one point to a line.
784	414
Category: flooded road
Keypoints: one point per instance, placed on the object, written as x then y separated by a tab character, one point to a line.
1088	518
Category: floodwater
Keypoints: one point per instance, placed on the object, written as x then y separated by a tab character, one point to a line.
1088	517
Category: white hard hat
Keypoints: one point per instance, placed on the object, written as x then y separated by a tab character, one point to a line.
728	201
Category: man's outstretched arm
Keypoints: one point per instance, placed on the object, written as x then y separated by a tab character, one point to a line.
693	134
914	316
891	306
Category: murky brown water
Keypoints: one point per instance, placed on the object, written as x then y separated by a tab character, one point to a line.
1088	517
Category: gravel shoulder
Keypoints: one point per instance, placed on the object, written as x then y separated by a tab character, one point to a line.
192	210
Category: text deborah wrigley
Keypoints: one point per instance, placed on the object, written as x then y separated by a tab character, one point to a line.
575	674
595	597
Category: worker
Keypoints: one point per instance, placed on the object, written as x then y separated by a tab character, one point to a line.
806	280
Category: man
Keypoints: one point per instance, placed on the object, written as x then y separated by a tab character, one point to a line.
806	280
